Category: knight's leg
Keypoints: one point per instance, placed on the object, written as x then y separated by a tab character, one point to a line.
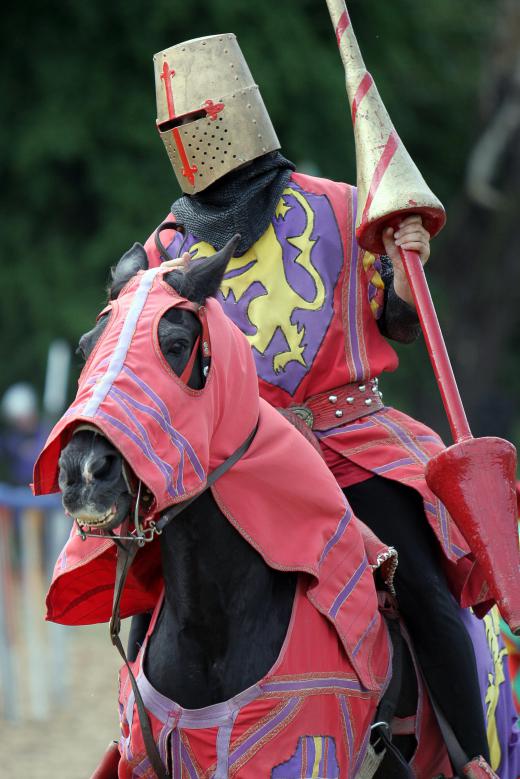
445	651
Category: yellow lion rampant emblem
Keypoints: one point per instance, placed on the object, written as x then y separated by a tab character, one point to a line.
273	309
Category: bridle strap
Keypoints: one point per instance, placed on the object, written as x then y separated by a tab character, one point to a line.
125	557
188	368
126	553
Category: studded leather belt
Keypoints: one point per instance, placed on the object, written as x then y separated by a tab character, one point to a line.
344	404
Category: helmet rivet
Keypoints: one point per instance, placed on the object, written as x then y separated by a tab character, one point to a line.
333	398
339	413
362	387
350	400
368	401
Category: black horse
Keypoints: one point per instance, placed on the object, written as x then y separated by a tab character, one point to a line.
221	598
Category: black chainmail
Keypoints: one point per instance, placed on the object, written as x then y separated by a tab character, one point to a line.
243	201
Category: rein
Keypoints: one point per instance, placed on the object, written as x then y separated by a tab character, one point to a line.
126	553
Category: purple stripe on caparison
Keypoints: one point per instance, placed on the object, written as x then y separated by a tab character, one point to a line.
123	400
167	419
393	465
342	526
348	727
175	742
311	684
177	439
310	744
266	728
404	437
345	429
188	762
133	437
458	551
365	633
348	588
165	467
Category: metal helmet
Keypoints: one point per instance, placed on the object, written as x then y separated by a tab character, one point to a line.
210	114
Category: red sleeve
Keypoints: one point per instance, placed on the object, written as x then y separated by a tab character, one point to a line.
154	258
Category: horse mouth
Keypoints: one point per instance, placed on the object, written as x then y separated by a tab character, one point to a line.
103	521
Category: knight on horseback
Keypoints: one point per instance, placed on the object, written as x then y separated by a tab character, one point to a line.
317	311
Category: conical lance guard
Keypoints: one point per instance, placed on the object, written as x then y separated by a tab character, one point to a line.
389	183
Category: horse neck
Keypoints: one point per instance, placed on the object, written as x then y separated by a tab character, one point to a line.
211	574
220	600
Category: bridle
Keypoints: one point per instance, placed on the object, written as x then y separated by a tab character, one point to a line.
126	553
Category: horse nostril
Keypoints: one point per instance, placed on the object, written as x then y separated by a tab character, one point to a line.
103	467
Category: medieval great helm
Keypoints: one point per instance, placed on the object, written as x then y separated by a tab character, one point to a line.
210	114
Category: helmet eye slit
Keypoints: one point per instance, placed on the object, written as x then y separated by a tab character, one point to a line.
179	121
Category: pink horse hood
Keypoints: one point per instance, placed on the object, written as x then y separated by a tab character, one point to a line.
164	429
280	496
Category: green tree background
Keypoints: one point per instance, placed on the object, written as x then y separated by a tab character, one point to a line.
85	175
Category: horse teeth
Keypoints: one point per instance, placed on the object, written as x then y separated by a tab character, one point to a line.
90	522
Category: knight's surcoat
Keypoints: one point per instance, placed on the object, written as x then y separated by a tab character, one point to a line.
308	298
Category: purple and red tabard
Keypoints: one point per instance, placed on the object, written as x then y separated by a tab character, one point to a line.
172	437
308	299
308	716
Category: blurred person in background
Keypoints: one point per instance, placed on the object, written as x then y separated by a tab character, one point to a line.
23	434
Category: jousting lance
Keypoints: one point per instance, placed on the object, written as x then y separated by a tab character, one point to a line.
475	477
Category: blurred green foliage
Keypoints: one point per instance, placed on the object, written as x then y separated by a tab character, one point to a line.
85	175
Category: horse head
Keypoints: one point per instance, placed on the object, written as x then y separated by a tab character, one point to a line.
96	476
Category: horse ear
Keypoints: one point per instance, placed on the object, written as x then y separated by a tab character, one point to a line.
204	277
132	261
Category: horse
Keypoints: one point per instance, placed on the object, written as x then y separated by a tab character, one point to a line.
221	626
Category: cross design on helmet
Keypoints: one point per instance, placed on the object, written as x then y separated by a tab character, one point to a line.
188	170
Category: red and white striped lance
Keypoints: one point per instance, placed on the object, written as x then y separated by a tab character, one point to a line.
474	478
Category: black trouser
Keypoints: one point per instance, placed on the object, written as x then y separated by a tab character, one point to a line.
396	515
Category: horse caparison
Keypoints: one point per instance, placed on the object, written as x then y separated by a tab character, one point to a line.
221	598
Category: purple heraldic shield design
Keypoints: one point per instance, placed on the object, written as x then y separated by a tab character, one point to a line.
280	292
